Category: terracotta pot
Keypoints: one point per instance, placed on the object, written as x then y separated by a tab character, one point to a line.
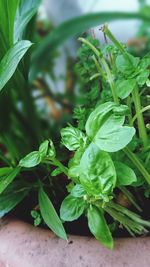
22	245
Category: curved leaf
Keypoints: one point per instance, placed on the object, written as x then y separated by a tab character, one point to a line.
72	208
11	60
25	12
98	227
14	194
50	216
125	175
7	178
97	172
31	160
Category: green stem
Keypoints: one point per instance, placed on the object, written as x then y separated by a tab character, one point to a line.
97	52
141	125
113	39
99	69
130	197
141	111
130	114
60	166
137	163
110	80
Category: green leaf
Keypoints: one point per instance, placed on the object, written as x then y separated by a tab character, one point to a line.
78	191
47	149
43	149
56	172
74	26
11	60
125	175
5	170
50	216
8	12
72	208
72	138
121	110
31	160
97	172
124	87
105	128
7	178
142	77
37	217
113	140
97	118
13	195
73	165
127	63
25	12
98	227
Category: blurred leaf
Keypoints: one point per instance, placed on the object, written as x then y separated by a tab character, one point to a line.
50	216
11	60
8	12
25	12
6	179
71	28
12	196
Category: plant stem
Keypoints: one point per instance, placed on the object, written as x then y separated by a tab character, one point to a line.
130	114
130	197
57	163
97	52
141	111
99	69
113	39
141	125
138	164
110	80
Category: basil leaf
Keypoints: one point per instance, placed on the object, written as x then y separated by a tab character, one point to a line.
125	175
50	216
44	148
97	172
47	149
11	60
31	160
72	138
7	178
112	140
112	123
71	208
78	191
98	227
12	195
121	110
105	129
124	87
97	117
127	63
142	77
73	165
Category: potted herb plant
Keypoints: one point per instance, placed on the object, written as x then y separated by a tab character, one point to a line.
105	166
